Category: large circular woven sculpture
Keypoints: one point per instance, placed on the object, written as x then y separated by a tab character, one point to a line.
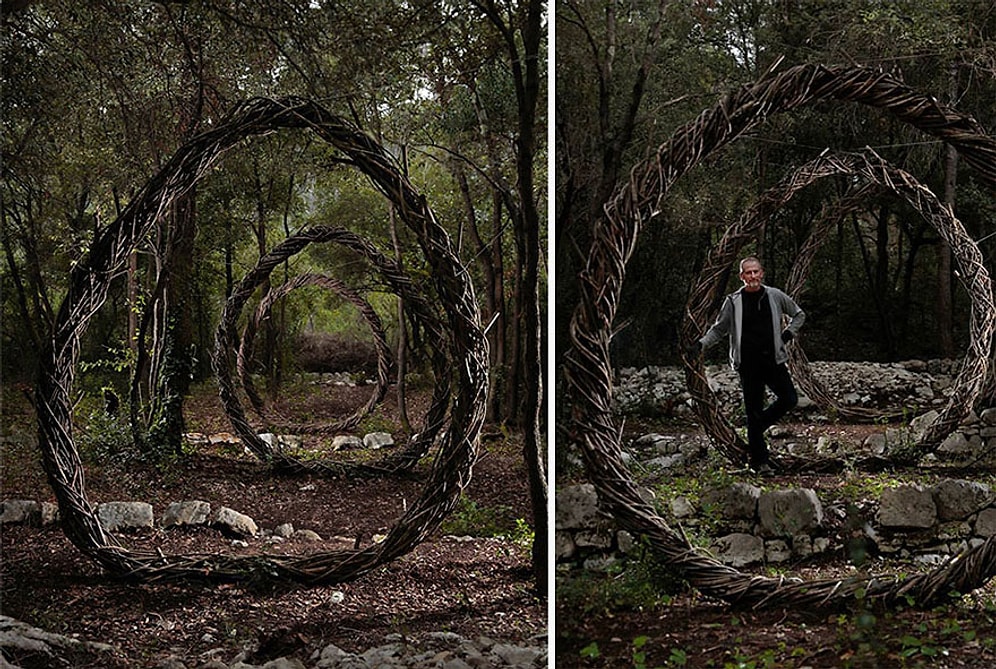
867	168
420	311
370	317
587	365
87	290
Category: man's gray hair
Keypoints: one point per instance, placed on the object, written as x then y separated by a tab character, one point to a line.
751	259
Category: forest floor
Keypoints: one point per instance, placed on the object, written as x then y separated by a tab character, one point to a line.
643	616
479	587
639	617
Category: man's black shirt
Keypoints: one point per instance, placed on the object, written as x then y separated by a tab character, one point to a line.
757	339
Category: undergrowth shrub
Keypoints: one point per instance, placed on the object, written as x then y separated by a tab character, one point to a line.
469	519
643	583
104	438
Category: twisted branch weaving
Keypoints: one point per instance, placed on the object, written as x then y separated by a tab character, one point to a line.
587	365
421	312
87	290
872	169
371	318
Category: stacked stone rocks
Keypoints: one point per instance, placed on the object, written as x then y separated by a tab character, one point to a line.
914	383
437	650
749	526
140	517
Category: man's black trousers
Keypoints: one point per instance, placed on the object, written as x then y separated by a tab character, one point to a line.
754	378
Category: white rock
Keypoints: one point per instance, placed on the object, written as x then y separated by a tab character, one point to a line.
115	516
231	521
376	440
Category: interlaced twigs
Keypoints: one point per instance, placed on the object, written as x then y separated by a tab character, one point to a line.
587	366
420	311
869	168
372	320
87	290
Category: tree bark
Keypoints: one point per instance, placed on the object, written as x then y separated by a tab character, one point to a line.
15	275
945	311
503	358
525	71
492	307
176	362
886	341
266	335
402	354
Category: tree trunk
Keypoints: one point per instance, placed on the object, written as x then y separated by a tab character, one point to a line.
164	365
945	312
229	258
133	343
514	365
499	408
176	362
525	75
492	307
886	341
402	333
15	275
267	335
838	282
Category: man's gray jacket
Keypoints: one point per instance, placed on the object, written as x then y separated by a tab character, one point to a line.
731	318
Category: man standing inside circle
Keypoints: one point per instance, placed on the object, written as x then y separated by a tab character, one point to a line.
751	318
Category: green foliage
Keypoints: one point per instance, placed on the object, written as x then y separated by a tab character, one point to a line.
107	371
105	439
376	421
890	638
470	519
639	655
694	487
591	651
677	658
641	584
859	486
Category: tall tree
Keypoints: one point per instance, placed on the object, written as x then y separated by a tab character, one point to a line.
520	26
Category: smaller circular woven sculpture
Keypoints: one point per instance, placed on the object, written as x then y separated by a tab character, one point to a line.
798	362
870	168
422	314
372	320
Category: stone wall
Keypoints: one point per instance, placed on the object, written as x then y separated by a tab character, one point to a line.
746	526
914	383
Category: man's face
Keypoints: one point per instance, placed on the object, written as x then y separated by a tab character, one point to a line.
752	274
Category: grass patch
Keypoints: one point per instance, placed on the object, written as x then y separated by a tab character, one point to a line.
471	520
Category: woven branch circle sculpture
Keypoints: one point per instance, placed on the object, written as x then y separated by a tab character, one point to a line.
370	317
869	168
587	365
87	290
798	362
417	306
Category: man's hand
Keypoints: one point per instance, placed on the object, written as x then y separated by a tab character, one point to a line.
694	349
787	336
